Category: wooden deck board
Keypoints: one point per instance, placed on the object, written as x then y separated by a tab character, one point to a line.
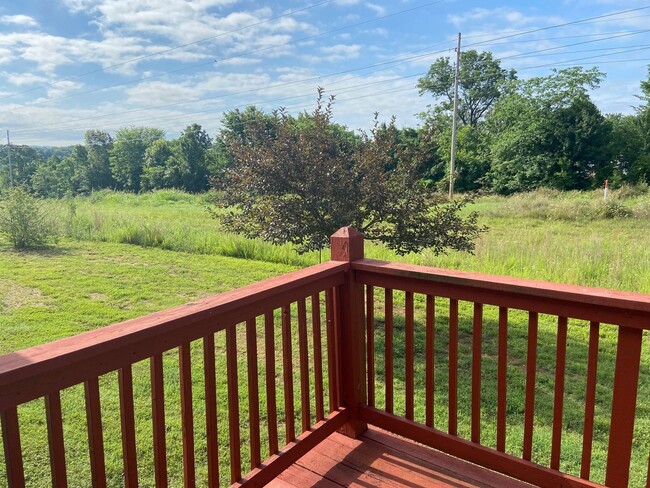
380	459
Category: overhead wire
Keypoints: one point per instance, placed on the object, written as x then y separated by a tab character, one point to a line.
167	50
254	51
428	54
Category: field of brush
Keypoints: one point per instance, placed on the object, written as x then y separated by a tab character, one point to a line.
121	256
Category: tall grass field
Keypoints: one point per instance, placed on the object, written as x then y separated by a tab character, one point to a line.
121	256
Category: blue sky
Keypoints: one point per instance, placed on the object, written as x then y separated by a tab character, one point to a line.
71	65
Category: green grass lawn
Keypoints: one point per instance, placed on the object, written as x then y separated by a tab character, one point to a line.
128	255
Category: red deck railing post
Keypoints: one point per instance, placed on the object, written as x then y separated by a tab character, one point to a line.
347	246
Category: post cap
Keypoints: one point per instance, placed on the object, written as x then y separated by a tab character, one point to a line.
347	244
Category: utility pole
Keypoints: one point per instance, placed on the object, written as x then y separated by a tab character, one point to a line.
452	161
11	174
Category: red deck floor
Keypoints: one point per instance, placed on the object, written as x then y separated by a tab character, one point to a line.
379	459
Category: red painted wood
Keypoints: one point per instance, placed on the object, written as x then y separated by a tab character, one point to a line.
590	401
453	367
429	361
477	340
271	409
531	368
233	403
388	348
470	451
12	449
55	439
408	356
158	419
187	415
211	427
502	379
626	379
580	302
318	356
95	433
558	402
253	393
332	357
127	416
346	245
34	372
305	396
287	367
370	341
348	300
277	463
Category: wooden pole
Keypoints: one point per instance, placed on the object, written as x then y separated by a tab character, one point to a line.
454	123
11	174
347	246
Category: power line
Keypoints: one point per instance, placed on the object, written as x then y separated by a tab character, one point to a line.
240	54
389	62
164	51
398	60
344	89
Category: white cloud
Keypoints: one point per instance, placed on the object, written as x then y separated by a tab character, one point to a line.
23	20
378	9
21	79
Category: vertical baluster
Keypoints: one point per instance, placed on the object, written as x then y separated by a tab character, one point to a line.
187	414
453	366
287	364
388	348
13	451
590	401
370	340
502	378
408	356
55	439
429	359
253	392
211	427
621	429
558	402
477	340
318	356
233	403
332	359
304	365
158	419
531	367
269	352
127	415
95	433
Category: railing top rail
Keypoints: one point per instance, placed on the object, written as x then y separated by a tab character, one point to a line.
33	372
630	306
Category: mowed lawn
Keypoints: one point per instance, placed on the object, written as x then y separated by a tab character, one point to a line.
92	278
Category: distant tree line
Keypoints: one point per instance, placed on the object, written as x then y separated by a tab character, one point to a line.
513	135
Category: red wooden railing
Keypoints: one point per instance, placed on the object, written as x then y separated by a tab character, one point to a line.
333	357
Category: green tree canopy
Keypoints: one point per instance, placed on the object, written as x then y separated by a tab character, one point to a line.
127	154
302	181
481	82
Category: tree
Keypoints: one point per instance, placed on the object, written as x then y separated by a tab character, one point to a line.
481	83
158	167
127	154
193	146
302	182
641	167
23	219
549	133
98	145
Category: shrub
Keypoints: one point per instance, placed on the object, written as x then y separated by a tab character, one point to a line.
24	220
